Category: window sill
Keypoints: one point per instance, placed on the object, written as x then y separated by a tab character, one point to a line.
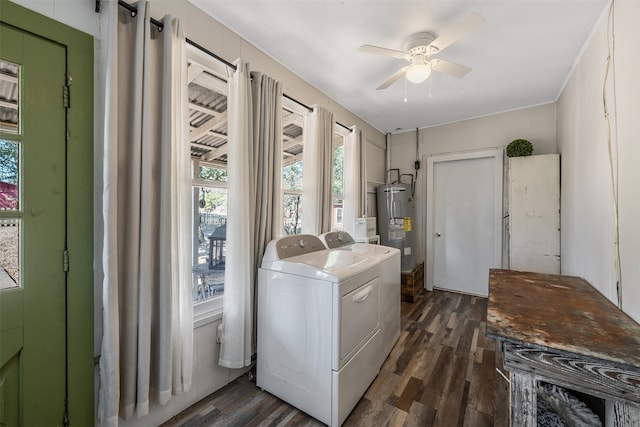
206	318
207	312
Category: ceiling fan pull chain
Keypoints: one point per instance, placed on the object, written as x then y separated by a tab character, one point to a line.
405	90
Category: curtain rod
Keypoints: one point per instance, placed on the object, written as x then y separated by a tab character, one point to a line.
160	25
311	109
344	126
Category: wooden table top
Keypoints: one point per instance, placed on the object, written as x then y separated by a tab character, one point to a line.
562	313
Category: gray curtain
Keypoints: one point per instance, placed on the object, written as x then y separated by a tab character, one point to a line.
316	175
146	351
267	164
255	203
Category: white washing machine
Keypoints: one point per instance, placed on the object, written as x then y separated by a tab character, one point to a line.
319	339
390	286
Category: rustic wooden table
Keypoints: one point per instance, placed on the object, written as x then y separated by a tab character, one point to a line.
560	330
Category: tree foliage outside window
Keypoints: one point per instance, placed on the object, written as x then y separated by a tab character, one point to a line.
337	183
213	199
292	214
9	162
292	176
292	185
213	174
9	175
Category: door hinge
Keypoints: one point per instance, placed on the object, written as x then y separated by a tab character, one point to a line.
66	92
66	96
65	260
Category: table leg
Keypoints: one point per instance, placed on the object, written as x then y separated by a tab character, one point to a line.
618	414
211	252
523	400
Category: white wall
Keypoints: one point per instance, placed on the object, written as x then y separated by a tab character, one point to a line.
587	207
78	14
537	124
207	32
374	161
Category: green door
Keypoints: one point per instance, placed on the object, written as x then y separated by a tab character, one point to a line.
32	230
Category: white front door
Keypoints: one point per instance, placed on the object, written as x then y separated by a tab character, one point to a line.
464	217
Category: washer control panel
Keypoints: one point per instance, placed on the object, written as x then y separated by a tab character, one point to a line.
301	244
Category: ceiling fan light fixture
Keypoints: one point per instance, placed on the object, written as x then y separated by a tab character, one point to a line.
417	73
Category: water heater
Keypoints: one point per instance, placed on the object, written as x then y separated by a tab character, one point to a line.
395	224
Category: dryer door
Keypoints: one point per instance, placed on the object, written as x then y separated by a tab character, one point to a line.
359	318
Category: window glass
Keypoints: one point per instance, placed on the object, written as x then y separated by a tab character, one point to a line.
292	167
208	145
9	97
292	187
214	174
9	253
9	175
337	183
211	229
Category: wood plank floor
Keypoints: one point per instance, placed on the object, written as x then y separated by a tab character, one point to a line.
440	373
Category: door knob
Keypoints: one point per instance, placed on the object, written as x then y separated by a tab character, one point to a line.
438	234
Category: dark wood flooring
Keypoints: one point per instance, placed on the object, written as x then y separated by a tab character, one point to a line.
440	373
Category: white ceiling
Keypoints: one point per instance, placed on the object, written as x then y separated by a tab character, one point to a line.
520	57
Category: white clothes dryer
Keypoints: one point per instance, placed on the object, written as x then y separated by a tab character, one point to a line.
390	286
319	339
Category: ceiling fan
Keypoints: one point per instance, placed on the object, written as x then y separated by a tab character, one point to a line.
419	48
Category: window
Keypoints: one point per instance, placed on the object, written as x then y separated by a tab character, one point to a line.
292	167
10	227
10	181
208	145
337	180
210	231
10	107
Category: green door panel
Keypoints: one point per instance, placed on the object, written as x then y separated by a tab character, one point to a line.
43	215
37	306
11	310
79	48
11	344
10	409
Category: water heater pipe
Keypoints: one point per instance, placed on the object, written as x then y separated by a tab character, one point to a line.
397	175
388	157
411	183
417	162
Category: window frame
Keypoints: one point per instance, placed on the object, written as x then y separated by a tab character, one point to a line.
293	108
210	310
340	135
212	306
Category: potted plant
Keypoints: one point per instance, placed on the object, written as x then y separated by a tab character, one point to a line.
519	148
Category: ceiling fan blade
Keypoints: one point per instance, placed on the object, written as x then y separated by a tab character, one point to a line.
450	68
367	48
459	30
393	78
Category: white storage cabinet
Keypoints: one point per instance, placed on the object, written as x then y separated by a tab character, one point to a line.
534	213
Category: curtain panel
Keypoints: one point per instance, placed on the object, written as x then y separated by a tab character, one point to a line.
267	164
235	348
147	342
255	203
352	180
316	176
